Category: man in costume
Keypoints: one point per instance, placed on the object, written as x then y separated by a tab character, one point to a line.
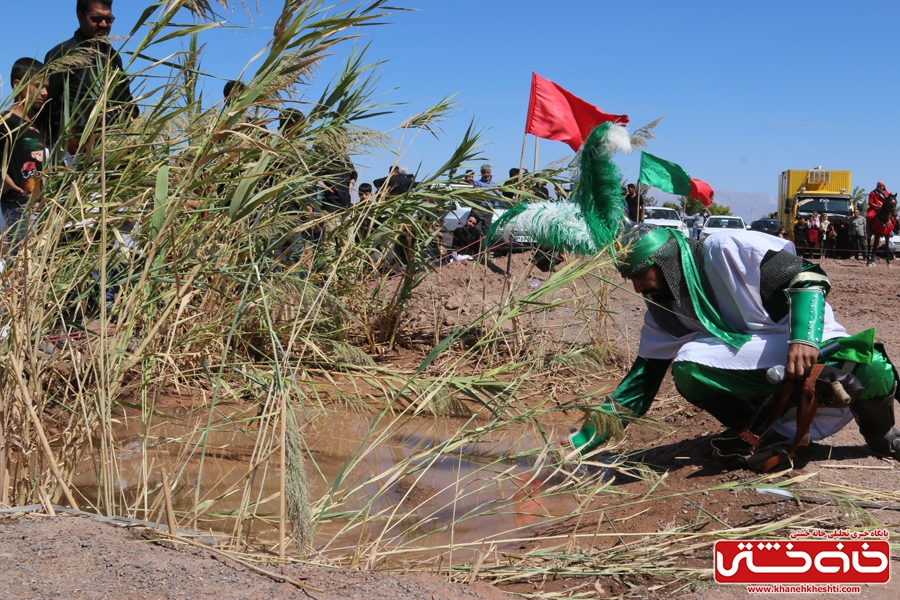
876	199
723	312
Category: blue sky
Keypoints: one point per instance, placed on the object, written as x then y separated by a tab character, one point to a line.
747	89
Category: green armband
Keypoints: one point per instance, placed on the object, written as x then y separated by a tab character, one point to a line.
631	399
807	315
600	423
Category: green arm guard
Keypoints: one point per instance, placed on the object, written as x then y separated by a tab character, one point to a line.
807	315
631	399
811	275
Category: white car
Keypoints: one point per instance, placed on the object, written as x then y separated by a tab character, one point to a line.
664	217
458	212
894	244
714	224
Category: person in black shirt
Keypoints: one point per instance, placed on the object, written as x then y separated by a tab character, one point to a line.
468	238
801	237
635	204
73	89
23	144
513	182
338	176
396	184
540	190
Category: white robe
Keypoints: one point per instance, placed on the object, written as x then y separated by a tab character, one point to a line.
732	261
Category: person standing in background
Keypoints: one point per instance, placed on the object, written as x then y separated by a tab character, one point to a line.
72	90
700	221
22	147
858	242
824	230
635	204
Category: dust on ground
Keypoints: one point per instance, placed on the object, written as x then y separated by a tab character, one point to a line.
67	557
78	557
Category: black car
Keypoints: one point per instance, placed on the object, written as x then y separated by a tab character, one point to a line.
766	225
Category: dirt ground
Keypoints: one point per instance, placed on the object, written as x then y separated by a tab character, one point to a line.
77	557
681	452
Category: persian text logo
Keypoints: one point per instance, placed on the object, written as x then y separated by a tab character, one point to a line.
802	561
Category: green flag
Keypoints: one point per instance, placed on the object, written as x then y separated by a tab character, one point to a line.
664	175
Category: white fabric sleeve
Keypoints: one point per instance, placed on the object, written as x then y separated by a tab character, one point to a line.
657	344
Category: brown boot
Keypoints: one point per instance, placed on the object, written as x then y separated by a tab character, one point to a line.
875	417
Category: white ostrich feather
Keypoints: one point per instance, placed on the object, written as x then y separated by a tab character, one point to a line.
558	225
617	138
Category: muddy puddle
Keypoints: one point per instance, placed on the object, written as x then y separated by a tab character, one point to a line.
400	485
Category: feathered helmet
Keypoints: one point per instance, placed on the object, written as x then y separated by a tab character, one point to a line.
595	221
590	223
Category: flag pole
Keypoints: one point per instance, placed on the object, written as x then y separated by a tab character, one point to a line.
522	159
640	193
537	145
527	123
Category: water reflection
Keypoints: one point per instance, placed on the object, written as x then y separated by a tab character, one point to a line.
405	483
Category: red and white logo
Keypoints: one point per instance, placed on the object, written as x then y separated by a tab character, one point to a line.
802	561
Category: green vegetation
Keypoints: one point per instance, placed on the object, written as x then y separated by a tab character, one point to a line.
859	195
202	381
186	216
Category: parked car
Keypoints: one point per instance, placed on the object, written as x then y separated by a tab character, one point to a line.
664	217
458	212
894	244
717	223
766	225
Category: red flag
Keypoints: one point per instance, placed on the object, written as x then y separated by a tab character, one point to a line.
701	191
555	114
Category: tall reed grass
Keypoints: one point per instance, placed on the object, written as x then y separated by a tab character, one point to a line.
182	255
183	252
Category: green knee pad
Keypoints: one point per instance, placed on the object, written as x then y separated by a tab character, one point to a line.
878	378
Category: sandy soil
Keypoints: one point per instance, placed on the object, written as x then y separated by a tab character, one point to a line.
78	557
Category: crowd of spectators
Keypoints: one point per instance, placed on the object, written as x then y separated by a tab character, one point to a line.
819	235
49	94
65	89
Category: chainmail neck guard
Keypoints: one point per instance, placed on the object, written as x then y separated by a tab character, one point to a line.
668	259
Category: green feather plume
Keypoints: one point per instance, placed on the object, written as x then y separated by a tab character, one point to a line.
599	189
591	222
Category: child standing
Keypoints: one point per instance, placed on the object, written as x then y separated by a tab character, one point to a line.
22	146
